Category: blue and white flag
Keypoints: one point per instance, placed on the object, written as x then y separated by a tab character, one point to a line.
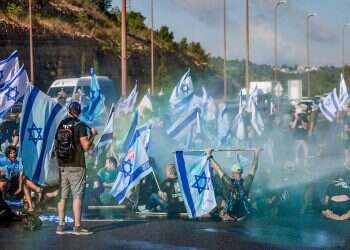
13	91
145	134
238	122
107	135
211	110
127	105
183	125
330	105
343	92
253	100
134	167
96	105
182	93
145	103
37	133
8	68
256	120
223	126
196	184
130	134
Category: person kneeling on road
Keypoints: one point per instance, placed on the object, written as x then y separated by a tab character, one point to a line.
236	206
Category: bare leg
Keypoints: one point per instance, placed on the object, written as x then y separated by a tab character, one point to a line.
32	185
61	211
3	187
28	198
77	212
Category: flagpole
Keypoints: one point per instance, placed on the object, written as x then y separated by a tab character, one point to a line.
247	50
31	43
123	49
155	178
152	51
225	53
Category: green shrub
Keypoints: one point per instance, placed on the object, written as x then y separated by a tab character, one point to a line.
14	9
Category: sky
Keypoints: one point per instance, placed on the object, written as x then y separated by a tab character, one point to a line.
202	21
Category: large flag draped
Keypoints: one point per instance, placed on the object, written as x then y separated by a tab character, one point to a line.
37	133
8	68
96	105
134	167
330	105
343	92
256	121
13	91
182	93
195	180
126	106
183	125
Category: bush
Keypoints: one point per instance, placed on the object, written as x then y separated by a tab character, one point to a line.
14	9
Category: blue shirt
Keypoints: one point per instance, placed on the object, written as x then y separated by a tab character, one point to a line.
11	168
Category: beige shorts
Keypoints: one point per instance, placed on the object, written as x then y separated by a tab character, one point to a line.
72	179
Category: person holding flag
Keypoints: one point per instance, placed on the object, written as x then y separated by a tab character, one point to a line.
71	142
236	206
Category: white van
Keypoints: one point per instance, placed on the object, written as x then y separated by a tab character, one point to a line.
71	85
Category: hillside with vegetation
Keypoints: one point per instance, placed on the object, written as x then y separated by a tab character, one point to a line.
70	36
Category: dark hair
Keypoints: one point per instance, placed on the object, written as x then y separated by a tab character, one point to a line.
9	149
113	160
74	108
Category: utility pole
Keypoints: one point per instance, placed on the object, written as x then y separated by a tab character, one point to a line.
308	51
343	46
276	44
247	52
124	70
152	51
225	53
31	44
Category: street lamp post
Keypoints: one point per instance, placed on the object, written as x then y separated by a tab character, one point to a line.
225	54
123	49
276	50
343	45
247	52
308	50
152	51
31	43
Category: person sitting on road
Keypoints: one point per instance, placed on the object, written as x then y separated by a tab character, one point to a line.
169	198
107	176
337	199
236	205
13	179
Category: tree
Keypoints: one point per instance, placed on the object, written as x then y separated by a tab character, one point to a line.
103	5
183	45
136	21
165	35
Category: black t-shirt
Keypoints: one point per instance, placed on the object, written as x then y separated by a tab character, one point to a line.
300	133
338	186
79	130
171	187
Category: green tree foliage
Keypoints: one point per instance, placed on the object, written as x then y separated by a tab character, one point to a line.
136	21
165	35
183	45
103	5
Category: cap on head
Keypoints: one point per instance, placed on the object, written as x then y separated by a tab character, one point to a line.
236	168
74	108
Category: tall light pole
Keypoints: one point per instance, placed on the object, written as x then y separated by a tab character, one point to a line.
308	50
343	45
247	52
152	51
123	50
276	50
225	53
31	43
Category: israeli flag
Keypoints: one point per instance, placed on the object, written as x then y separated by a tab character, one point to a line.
238	122
343	92
96	105
130	134
145	134
127	105
330	105
253	100
145	103
183	125
8	68
256	120
196	184
223	126
107	135
37	133
183	92
134	167
210	110
13	91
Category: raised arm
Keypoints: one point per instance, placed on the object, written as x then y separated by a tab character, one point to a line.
214	164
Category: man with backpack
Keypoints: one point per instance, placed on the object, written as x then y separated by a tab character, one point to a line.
71	142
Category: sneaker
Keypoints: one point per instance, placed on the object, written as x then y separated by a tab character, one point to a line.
60	229
81	231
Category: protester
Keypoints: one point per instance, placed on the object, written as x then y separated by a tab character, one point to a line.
236	207
347	138
337	199
169	198
71	142
300	126
107	176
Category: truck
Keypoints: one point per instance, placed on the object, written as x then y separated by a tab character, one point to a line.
295	90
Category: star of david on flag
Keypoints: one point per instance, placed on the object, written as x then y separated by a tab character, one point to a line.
330	105
37	133
183	92
13	91
193	170
8	68
133	168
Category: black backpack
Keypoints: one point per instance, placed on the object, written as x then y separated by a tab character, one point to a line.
65	147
